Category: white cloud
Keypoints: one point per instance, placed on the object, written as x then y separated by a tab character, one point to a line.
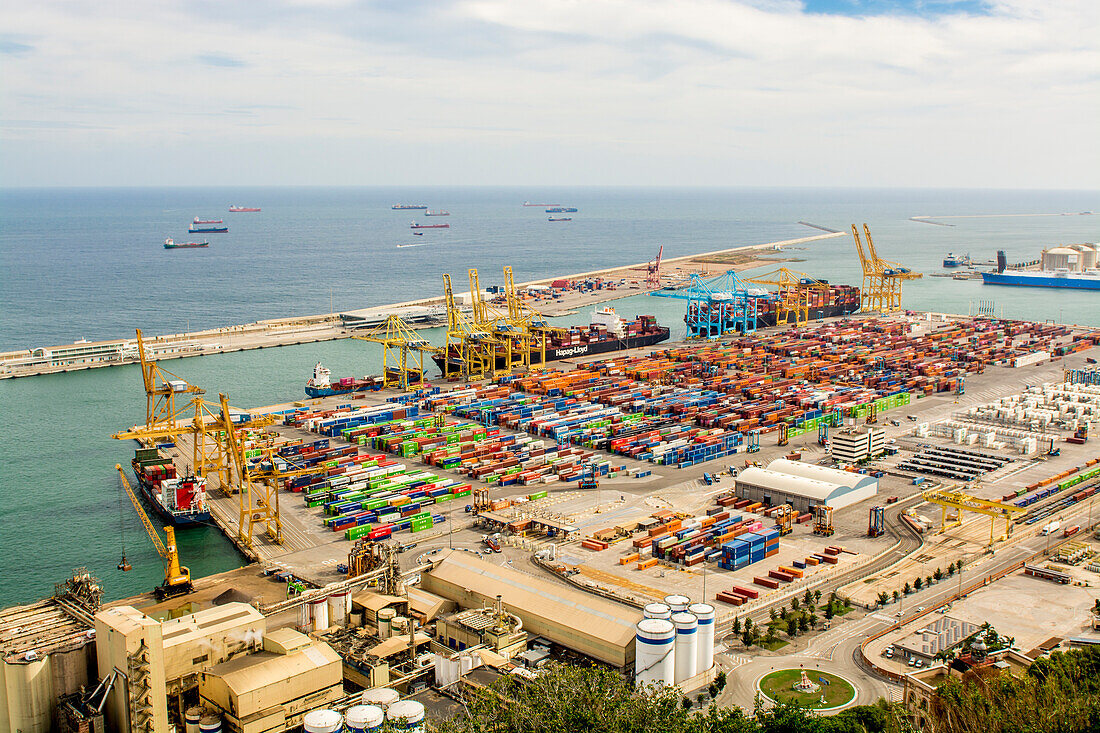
599	91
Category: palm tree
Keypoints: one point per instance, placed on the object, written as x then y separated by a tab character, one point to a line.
883	599
906	590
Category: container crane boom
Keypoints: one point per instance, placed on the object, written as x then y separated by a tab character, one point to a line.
177	578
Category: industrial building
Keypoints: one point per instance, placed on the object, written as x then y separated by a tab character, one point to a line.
938	635
492	628
853	446
804	485
1071	257
579	621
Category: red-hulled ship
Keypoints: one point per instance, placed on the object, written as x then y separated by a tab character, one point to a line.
607	332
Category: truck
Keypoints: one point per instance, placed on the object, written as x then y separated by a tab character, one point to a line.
1071	530
1051	528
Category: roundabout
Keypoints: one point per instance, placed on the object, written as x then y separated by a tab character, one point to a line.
811	688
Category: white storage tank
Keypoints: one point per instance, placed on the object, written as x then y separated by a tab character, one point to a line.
1088	255
192	717
381	697
385	623
677	603
656	610
399	625
406	716
305	621
210	724
687	645
654	657
364	719
322	721
339	604
318	613
704	612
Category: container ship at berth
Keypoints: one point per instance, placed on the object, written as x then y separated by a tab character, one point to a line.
242	210
179	501
606	333
1063	267
321	384
172	244
837	300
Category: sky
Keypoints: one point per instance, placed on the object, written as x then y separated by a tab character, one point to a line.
923	93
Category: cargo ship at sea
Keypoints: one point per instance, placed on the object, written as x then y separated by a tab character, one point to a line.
415	225
607	332
243	210
835	300
409	207
197	220
203	229
172	244
178	500
559	218
528	203
437	213
561	210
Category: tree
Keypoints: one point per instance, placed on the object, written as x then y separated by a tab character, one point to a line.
1096	606
792	627
817	596
772	612
748	624
918	583
883	599
907	590
896	596
770	637
794	603
950	569
928	581
737	624
829	612
813	619
808	599
712	690
747	637
938	575
832	597
720	680
685	703
803	624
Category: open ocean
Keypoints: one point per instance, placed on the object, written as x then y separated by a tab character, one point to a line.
89	263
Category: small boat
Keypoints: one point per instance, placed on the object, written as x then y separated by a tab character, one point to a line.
207	229
953	260
528	203
418	234
437	213
559	218
408	207
242	209
197	220
170	244
561	210
414	225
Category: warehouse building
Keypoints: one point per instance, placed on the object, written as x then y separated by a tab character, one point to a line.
804	485
852	446
579	621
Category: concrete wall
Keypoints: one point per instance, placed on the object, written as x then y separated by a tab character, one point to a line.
121	632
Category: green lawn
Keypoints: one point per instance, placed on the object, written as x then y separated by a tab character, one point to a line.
771	646
778	686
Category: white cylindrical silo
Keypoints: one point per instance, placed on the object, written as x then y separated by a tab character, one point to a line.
687	645
364	719
654	658
338	606
704	612
677	603
322	721
305	622
385	622
192	717
656	610
406	716
210	724
381	697
318	613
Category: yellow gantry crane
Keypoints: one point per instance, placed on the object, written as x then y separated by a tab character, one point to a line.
529	321
470	352
795	291
259	500
882	279
399	340
177	578
161	390
952	498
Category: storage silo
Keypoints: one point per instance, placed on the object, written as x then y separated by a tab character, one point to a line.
687	645
364	719
406	716
654	657
381	697
385	622
318	612
656	610
1087	260
677	603
338	606
1061	258
704	612
322	721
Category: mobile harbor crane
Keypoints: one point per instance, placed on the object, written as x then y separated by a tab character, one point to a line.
177	578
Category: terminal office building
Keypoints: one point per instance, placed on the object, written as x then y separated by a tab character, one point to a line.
804	485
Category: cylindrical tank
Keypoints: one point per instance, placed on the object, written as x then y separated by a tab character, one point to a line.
399	625
338	606
1088	255
406	715
1061	258
381	697
210	724
364	719
304	620
192	717
677	603
385	623
656	610
704	612
322	721
318	613
687	645
654	661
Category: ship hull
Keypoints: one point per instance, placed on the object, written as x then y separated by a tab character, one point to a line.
1041	280
208	230
557	353
187	246
149	495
